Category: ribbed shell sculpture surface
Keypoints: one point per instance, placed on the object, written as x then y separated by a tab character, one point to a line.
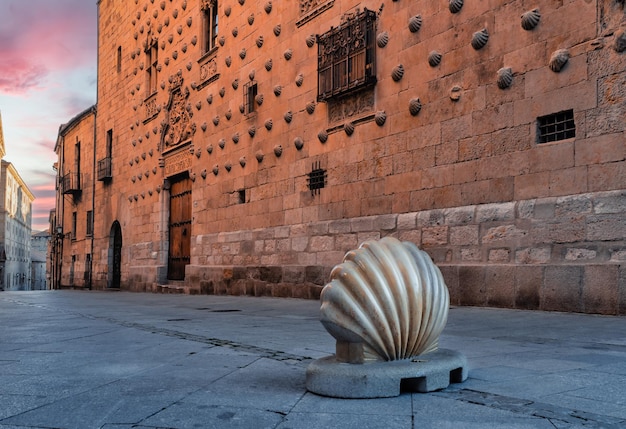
389	296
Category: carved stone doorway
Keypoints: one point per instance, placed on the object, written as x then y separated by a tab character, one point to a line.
179	227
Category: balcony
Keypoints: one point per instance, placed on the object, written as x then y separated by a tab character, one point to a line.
70	184
105	173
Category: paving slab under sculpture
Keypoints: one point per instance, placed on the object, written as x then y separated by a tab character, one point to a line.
386	306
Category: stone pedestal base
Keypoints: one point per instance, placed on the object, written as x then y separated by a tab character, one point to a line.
425	373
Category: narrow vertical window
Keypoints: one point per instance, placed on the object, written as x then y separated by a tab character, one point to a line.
74	222
119	59
77	159
209	11
249	94
152	60
89	223
104	165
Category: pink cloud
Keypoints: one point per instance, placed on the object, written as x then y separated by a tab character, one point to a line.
18	75
41	36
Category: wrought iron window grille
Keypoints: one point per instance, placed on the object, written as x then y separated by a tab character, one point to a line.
347	56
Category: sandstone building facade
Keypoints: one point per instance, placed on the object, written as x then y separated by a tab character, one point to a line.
242	147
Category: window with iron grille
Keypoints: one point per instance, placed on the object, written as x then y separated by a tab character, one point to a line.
346	56
249	94
555	127
317	178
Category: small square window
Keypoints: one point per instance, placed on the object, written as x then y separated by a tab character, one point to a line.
555	127
242	196
317	178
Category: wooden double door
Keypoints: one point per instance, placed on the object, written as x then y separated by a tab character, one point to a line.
179	227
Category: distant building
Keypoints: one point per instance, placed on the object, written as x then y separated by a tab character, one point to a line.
15	226
72	220
39	251
248	157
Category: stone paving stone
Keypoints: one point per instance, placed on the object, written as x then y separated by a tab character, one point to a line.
320	420
315	404
185	415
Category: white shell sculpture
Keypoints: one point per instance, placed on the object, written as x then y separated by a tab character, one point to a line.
388	296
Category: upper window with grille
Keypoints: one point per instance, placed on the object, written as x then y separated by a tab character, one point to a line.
347	56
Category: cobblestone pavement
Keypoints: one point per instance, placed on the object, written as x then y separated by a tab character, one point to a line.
117	360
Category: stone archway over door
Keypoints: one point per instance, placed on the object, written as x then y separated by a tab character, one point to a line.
179	227
115	256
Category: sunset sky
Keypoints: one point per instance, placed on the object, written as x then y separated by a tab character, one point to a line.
47	76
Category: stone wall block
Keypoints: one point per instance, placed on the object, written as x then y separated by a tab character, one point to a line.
500	255
362	224
385	222
339	226
495	212
430	218
407	221
459	215
434	235
414	236
562	288
472	286
503	233
606	227
558	231
500	285
601	289
528	281
450	275
573	205
580	254
471	254
525	209
610	202
464	235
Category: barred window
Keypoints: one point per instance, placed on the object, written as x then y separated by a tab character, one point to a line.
555	127
346	58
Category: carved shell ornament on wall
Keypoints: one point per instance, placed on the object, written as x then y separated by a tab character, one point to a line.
380	117
389	296
480	39
558	60
530	19
415	23
382	39
397	73
434	58
455	6
415	105
505	77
